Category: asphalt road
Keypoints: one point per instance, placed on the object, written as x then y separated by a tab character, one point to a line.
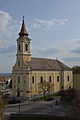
43	107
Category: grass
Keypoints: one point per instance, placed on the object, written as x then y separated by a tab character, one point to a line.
46	97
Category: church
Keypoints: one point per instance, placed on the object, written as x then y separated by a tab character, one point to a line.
29	71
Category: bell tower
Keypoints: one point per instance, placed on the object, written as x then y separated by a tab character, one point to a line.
20	74
23	45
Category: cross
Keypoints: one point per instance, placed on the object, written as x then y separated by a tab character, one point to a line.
23	17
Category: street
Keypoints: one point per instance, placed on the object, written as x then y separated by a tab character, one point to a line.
42	107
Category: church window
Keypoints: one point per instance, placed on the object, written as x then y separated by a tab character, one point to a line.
26	47
57	78
41	79
62	87
68	78
49	78
33	79
18	92
18	63
19	47
69	87
18	79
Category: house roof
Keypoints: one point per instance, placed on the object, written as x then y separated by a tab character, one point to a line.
46	64
2	79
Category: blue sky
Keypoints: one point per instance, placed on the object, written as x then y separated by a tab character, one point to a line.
53	26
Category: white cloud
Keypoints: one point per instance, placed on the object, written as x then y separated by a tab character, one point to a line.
68	53
50	52
39	23
8	49
4	18
8	27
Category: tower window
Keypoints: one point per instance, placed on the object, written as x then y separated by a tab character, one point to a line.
49	78
33	79
19	47
68	78
18	63
41	79
57	78
18	79
26	47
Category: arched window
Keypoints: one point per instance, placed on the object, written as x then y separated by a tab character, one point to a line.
18	63
57	78
33	79
49	78
68	78
26	47
19	47
18	79
41	79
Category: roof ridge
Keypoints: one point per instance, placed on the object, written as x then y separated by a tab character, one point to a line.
42	58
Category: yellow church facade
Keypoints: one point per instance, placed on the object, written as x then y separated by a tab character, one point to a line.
28	72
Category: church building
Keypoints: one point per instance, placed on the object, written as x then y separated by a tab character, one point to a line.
28	72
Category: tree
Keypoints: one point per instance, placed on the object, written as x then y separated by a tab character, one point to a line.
45	87
75	107
2	106
67	95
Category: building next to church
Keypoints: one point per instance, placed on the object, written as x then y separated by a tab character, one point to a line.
29	71
76	78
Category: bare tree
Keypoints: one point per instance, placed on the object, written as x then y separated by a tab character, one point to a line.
2	106
74	109
45	87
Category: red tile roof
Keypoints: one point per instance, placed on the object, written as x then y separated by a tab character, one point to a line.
2	78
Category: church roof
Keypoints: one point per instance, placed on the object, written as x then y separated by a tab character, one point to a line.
23	31
46	64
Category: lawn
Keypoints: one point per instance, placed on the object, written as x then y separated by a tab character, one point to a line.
46	97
